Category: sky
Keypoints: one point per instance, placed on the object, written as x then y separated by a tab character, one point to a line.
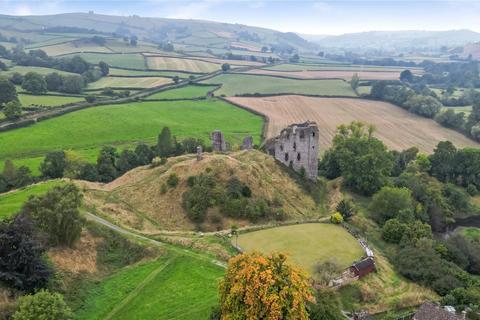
307	17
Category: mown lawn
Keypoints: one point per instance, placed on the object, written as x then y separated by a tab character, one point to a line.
11	202
187	92
47	101
172	287
130	123
233	84
306	244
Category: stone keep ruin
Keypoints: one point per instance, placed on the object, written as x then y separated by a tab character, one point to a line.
297	147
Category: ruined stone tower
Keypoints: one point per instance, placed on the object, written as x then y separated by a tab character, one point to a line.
218	141
297	147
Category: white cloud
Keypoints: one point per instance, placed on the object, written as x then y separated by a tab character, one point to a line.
23	10
321	7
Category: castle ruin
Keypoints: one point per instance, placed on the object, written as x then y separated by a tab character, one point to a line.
297	147
218	141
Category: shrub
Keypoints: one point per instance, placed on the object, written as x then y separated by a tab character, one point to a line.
336	218
346	208
472	190
172	180
392	202
43	305
393	231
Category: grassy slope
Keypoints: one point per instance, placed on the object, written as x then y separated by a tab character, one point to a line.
314	67
122	82
173	287
134	61
114	124
183	93
233	84
48	101
307	244
11	202
40	70
123	72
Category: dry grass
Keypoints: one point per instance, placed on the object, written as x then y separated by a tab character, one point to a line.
82	258
233	62
244	45
135	200
168	63
72	47
123	82
397	128
329	74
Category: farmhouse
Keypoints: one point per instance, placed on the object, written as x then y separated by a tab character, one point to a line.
297	147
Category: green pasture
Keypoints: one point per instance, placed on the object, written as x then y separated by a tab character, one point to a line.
187	92
125	60
12	201
471	232
127	124
235	84
26	69
47	101
172	287
306	244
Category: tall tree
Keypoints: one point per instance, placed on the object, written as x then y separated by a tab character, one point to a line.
43	305
264	287
165	145
354	82
34	83
406	76
53	166
104	68
57	214
106	164
12	110
22	265
9	173
7	91
443	161
54	81
364	161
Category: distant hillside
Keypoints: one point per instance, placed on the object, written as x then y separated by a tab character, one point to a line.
193	33
398	39
473	50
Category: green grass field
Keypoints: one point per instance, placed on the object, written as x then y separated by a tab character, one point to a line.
471	232
306	244
187	92
40	70
134	61
11	202
172	287
47	101
466	109
233	84
123	82
126	124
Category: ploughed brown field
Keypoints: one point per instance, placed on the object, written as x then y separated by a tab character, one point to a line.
397	128
330	74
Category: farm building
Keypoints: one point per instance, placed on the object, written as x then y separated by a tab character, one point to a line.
297	147
430	311
363	267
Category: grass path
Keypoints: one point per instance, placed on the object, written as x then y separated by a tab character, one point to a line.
138	289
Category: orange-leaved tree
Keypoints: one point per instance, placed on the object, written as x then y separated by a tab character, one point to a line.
264	287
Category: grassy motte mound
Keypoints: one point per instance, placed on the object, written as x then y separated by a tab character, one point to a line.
146	200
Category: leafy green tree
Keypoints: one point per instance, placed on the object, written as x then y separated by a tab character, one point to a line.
402	159
34	83
423	162
354	82
54	81
200	197
12	110
88	172
451	119
391	202
126	161
57	214
443	161
406	76
106	160
104	68
364	161
326	306
225	67
426	106
165	145
72	84
23	177
43	305
16	78
9	173
336	218
3	66
22	265
7	91
378	90
144	154
393	230
253	282
53	166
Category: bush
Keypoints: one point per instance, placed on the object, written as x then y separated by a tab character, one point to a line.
346	208
172	180
472	190
43	305
391	202
393	231
336	218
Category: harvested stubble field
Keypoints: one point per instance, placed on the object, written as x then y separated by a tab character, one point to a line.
330	74
333	67
169	63
124	82
46	101
126	60
72	47
397	128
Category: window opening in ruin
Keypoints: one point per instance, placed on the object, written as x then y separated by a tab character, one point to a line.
286	156
294	146
298	156
302	134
